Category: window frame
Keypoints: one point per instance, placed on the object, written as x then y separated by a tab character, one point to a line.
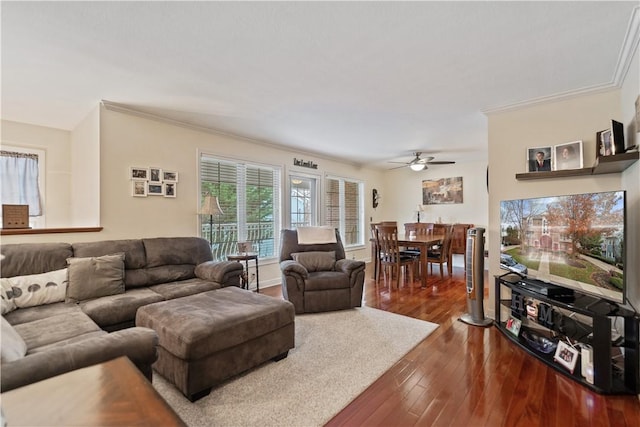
39	221
315	198
241	222
342	216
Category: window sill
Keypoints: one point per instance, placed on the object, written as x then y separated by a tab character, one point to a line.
18	231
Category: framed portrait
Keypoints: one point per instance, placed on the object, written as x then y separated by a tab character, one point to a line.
566	355
138	173
155	175
170	189
603	143
539	159
513	325
567	156
155	189
139	188
169	176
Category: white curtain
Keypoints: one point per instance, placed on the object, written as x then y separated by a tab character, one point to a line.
19	181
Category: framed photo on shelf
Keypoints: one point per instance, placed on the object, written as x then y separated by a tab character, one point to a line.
567	156
138	173
155	189
139	188
170	189
513	325
566	355
539	159
169	176
155	175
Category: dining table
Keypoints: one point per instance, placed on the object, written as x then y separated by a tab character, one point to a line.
421	242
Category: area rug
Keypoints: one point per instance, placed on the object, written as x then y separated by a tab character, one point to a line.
337	355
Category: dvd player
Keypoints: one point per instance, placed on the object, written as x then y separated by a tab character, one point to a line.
545	288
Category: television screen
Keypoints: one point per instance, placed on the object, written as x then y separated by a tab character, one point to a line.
576	240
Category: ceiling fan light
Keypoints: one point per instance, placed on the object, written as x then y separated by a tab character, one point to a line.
417	167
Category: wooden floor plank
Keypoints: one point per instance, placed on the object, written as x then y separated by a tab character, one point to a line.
469	376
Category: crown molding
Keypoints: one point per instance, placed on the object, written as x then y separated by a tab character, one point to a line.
625	58
127	109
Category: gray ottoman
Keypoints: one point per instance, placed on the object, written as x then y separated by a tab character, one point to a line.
209	337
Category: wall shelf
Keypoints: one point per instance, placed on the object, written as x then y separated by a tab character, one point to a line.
603	165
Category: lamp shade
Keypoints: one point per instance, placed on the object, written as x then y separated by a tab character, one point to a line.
417	166
210	206
419	208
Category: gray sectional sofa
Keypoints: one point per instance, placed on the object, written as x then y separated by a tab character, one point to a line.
50	327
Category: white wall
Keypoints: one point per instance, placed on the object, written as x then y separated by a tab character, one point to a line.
57	145
631	179
127	140
402	192
85	165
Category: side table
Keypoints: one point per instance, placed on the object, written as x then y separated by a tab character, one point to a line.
245	274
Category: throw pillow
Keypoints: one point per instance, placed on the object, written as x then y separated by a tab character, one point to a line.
316	261
8	304
13	346
95	277
36	289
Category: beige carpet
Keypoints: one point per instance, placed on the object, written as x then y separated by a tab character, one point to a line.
337	355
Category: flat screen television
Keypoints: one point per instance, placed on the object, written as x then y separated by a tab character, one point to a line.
576	240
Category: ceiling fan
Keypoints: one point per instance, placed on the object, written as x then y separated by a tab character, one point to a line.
420	163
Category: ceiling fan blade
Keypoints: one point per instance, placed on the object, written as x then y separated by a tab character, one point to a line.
404	165
441	162
400	163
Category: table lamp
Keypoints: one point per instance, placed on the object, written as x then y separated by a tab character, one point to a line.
211	207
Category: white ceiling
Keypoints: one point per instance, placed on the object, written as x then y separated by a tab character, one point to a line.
363	81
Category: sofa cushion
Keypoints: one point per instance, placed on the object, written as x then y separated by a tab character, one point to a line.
55	329
38	312
121	308
95	277
316	261
324	280
37	289
176	250
13	346
135	257
67	341
21	259
169	273
183	288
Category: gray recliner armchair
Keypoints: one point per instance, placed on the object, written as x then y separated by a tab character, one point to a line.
317	277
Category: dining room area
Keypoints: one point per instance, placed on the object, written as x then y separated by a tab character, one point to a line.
403	254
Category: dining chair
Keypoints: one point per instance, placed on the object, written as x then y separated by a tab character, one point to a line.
442	254
375	250
391	257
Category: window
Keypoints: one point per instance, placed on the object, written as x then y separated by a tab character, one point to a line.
22	180
344	208
303	204
249	197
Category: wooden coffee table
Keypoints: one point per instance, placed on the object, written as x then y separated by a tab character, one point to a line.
113	393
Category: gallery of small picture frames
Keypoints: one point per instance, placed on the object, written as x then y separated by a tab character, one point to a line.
153	181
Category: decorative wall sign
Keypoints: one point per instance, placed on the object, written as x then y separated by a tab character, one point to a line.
442	191
305	163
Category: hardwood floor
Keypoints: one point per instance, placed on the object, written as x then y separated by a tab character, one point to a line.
468	376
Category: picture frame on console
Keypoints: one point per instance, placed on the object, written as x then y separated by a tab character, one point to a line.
566	356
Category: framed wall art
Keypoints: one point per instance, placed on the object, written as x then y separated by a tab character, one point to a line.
442	191
155	189
138	173
139	188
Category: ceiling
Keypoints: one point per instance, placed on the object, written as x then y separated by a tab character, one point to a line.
367	82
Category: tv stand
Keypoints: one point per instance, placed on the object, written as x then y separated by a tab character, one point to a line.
581	318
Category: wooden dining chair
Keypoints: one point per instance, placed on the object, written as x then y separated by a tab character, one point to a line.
391	258
375	250
442	254
459	241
